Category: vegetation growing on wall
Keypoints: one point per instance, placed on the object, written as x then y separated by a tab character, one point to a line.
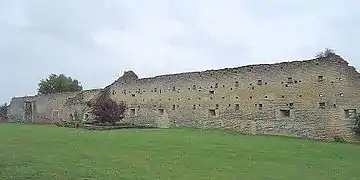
3	112
327	53
58	83
106	110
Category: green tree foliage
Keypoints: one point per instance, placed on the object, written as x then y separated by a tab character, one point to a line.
327	53
58	83
3	111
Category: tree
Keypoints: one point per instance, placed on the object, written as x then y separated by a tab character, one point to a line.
58	83
3	111
108	111
327	53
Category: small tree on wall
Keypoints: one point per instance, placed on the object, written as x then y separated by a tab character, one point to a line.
327	53
108	111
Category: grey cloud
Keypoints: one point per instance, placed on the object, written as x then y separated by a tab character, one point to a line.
94	41
71	21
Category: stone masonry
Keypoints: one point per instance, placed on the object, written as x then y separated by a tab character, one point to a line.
316	98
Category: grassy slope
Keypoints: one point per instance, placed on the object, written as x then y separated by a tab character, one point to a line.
45	152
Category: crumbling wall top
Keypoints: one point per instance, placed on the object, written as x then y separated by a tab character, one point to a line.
128	76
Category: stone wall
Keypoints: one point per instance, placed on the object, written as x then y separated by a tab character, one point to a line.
301	98
314	98
49	108
77	108
39	108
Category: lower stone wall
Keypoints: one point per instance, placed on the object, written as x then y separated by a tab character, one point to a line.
307	123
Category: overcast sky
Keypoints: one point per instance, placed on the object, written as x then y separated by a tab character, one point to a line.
96	40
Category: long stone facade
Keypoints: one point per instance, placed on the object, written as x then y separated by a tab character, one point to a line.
316	98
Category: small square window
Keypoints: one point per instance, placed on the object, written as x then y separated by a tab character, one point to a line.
161	111
212	112
236	84
285	113
132	112
320	78
290	80
237	106
291	105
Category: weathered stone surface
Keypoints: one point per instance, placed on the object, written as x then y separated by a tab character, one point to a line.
314	94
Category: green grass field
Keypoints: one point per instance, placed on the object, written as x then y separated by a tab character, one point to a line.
47	153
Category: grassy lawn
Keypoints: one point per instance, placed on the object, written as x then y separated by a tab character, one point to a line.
47	153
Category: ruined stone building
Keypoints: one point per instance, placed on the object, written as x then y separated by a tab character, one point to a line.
316	98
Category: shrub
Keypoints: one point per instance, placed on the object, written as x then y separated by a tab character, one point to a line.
339	139
3	112
327	53
68	124
108	111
